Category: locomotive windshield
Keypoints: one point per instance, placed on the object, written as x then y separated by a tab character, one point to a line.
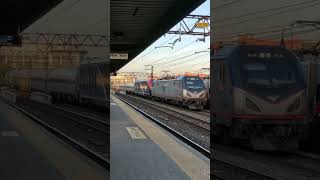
270	74
270	69
193	83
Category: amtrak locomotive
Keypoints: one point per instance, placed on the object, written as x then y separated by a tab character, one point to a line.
258	97
188	91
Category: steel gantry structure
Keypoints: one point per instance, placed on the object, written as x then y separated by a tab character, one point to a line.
202	22
77	40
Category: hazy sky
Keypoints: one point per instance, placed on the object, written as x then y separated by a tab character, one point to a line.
181	58
76	16
267	18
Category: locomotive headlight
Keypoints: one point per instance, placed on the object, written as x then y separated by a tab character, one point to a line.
294	106
252	106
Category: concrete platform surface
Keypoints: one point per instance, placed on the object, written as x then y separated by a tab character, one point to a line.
141	150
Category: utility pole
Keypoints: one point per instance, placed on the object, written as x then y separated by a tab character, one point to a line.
149	68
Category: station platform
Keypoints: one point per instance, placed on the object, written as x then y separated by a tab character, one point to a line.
30	152
142	150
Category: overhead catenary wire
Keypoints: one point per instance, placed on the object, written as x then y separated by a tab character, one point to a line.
189	66
142	56
273	29
217	21
236	34
269	15
173	60
259	30
192	67
153	50
302	32
188	60
171	65
165	64
161	44
160	59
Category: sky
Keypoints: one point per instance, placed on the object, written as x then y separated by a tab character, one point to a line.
181	58
76	17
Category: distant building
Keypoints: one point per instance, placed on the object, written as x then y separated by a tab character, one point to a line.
39	57
121	80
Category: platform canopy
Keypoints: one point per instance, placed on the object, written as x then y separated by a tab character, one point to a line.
136	24
17	15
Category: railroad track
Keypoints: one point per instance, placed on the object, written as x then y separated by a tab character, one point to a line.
85	119
86	111
80	146
200	123
274	165
203	115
